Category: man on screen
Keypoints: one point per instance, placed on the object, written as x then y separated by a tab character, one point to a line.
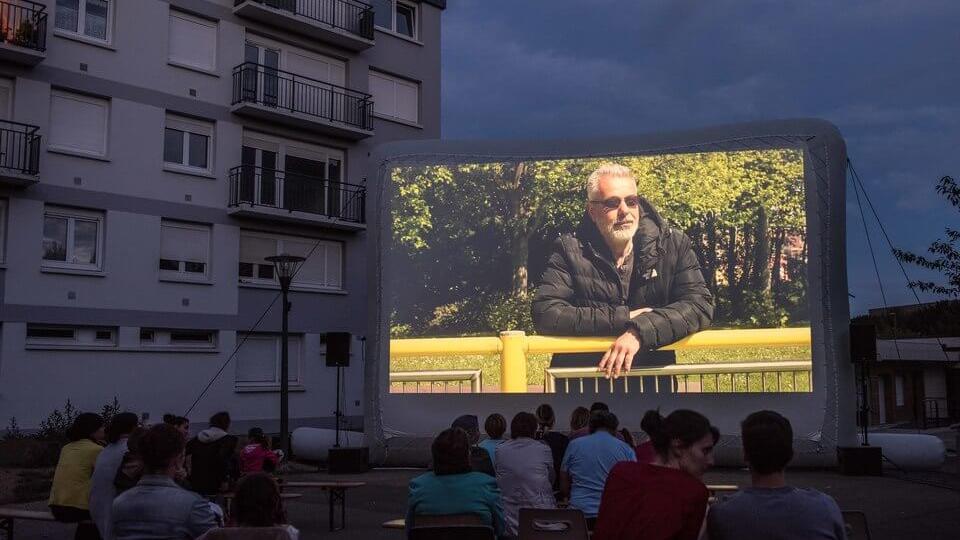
624	272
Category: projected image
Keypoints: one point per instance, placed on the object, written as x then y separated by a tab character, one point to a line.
669	273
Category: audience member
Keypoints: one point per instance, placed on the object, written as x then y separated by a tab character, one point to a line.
181	423
211	454
256	506
665	499
479	458
770	508
554	439
70	493
588	461
157	507
453	487
525	471
102	490
579	421
584	428
495	426
257	456
131	467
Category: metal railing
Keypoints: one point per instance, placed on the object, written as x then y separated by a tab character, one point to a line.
348	15
513	346
24	24
19	148
270	87
272	188
444	377
689	378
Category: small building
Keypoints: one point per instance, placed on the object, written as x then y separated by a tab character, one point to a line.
915	380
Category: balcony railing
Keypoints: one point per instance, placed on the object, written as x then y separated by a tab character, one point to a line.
19	148
271	188
348	15
24	24
289	92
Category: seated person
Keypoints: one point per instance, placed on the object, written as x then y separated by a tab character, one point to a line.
157	507
557	441
589	460
665	499
256	506
495	426
579	423
257	456
453	487
524	471
73	478
211	454
770	508
479	458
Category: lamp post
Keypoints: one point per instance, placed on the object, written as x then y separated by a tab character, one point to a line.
286	267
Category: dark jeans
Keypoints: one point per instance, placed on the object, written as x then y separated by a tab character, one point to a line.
86	530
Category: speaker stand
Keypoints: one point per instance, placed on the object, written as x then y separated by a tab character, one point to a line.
337	413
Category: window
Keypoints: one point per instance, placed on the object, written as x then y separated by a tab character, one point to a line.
192	41
72	239
184	251
78	123
396	16
186	144
3	230
258	361
44	335
395	97
191	338
898	390
89	18
321	270
6	99
180	339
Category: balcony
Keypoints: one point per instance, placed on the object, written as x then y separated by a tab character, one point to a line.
258	192
345	23
23	32
301	102
19	154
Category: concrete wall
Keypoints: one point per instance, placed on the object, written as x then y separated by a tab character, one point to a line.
135	193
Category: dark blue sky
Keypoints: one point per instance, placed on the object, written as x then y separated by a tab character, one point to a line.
886	72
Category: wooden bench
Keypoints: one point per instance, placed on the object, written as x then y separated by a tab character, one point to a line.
9	515
337	496
228	500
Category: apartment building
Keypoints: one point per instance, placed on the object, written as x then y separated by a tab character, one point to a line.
153	153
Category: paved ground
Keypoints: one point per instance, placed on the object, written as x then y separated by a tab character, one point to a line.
898	506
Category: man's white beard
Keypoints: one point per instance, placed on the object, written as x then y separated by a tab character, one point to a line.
619	237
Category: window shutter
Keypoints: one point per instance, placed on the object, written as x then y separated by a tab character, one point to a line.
180	243
192	41
407	101
311	271
78	123
254	249
335	266
257	360
384	97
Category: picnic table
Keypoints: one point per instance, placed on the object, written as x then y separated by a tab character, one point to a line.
337	491
9	515
228	499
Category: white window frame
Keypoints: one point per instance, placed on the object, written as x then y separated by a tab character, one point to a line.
215	25
162	340
62	94
181	274
196	127
393	20
81	24
296	343
72	215
296	284
84	337
4	212
395	80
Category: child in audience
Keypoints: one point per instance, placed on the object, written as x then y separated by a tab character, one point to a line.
554	439
495	426
257	456
181	423
770	508
256	504
666	499
579	420
211	453
70	493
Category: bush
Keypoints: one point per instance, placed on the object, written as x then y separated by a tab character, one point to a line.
509	312
13	432
55	426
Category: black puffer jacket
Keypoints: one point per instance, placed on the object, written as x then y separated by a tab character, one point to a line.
580	292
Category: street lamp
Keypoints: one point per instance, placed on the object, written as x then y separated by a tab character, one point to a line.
286	267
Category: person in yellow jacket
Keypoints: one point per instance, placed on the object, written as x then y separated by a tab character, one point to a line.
70	494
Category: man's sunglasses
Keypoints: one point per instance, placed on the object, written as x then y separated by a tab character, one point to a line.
614	202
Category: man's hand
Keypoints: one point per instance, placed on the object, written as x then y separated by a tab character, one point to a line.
640	311
620	356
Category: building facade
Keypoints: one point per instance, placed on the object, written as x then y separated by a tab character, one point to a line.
152	154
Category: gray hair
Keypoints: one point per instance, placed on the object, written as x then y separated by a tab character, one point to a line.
606	169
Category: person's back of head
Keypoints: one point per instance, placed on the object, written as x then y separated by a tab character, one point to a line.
257	502
524	424
255	436
495	425
579	418
604	421
122	425
546	418
767	442
161	449
451	452
470	425
599	406
221	420
85	426
683	437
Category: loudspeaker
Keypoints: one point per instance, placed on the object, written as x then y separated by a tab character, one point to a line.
860	460
863	343
348	460
338	349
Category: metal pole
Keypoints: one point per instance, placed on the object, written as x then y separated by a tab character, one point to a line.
284	370
336	412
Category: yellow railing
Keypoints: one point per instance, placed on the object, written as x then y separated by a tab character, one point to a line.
513	346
